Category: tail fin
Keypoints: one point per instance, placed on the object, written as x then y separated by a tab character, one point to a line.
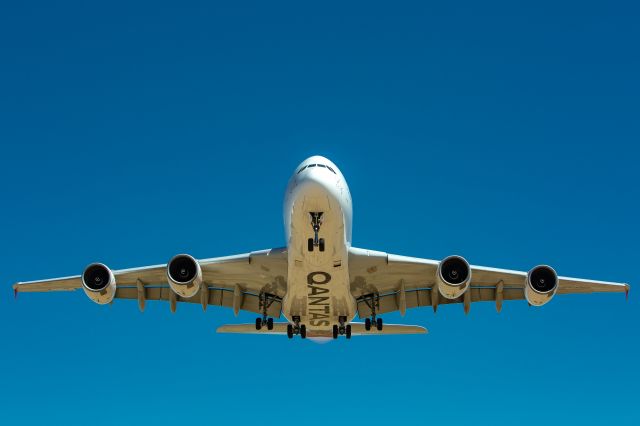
357	329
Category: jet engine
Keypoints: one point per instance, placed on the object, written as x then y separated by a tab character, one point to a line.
453	277
541	285
184	275
99	283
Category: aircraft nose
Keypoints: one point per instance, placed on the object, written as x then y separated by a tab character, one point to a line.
313	183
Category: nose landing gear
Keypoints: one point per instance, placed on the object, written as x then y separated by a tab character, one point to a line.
316	222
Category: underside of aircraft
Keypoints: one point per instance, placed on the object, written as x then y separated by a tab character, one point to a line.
319	283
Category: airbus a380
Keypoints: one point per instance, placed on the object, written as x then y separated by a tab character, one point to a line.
319	282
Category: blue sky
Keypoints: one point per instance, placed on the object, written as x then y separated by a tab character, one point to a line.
505	133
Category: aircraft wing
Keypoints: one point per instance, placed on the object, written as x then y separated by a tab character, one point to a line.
407	282
232	281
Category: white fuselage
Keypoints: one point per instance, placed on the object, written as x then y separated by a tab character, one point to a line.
318	288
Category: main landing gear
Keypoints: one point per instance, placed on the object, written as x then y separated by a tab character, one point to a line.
376	322
373	302
296	328
342	329
265	301
316	222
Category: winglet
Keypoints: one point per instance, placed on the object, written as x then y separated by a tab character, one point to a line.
626	291
15	286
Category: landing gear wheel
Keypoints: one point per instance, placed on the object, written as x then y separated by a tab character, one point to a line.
289	331
310	244
321	244
335	331
303	331
348	331
373	302
265	300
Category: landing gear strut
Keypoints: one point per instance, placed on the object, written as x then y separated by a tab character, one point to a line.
265	301
316	222
296	328
373	302
342	329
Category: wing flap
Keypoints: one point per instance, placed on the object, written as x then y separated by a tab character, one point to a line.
422	298
217	297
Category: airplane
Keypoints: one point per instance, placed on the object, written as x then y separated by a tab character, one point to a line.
319	282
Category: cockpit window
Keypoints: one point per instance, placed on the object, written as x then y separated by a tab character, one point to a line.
316	165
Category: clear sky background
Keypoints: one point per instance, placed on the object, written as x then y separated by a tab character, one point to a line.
505	133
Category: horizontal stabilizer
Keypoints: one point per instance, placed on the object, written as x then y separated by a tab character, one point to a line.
357	329
278	328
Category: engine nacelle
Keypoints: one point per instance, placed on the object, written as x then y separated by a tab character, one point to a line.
184	275
541	285
453	277
99	283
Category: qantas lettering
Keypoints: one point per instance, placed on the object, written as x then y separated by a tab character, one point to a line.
319	306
